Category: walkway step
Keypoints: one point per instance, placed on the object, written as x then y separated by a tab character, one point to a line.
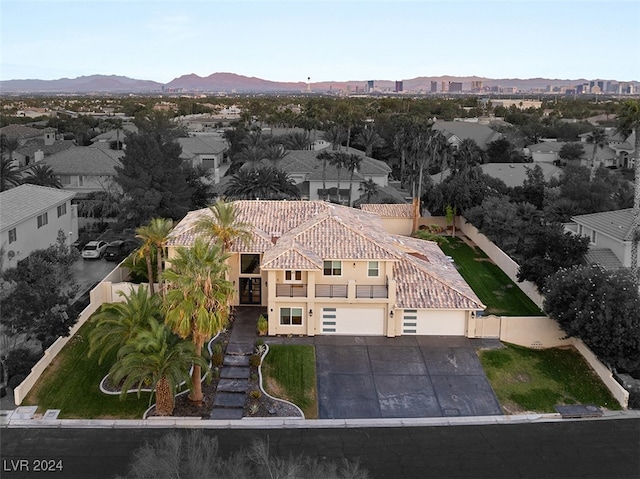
230	400
236	361
234	372
233	385
227	413
239	348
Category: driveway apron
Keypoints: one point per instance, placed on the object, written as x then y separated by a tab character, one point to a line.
408	376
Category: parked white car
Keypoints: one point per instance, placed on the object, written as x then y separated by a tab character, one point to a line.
94	249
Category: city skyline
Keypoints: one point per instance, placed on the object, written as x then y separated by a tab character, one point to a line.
326	40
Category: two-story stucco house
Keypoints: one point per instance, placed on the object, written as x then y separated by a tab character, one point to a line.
30	218
610	235
321	268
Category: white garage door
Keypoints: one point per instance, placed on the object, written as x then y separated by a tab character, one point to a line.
434	323
353	321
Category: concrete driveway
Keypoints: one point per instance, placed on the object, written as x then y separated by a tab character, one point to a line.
409	376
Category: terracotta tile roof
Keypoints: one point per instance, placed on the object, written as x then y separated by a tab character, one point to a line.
21	132
35	144
616	224
603	257
312	231
389	210
26	201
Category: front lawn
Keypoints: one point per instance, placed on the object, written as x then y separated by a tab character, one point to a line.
290	373
536	380
494	288
71	381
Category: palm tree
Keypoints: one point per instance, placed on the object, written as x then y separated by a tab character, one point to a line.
155	357
325	156
370	188
467	156
196	302
352	164
628	123
267	183
274	153
336	135
116	323
154	239
297	141
251	156
598	138
370	139
223	225
42	175
339	160
9	175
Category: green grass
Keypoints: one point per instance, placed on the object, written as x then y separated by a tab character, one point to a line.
71	381
494	288
290	373
536	380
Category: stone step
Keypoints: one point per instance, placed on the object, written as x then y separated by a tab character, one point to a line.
239	348
233	385
227	413
236	361
235	372
230	400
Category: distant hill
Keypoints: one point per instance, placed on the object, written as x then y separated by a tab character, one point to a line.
231	82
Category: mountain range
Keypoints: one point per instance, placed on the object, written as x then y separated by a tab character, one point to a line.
231	82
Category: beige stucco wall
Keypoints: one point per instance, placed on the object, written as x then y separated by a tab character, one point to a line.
398	226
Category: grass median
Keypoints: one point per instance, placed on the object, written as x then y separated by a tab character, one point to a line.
71	383
531	380
290	373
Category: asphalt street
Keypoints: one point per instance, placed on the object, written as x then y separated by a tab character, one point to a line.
564	449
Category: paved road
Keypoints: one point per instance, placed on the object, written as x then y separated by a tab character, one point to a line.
571	449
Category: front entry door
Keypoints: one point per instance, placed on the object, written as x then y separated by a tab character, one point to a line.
250	291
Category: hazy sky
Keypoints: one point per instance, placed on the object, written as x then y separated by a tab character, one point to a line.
325	40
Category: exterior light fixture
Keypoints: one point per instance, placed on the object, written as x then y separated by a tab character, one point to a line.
310	312
391	314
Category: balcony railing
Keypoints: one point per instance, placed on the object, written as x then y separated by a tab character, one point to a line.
331	290
291	290
372	291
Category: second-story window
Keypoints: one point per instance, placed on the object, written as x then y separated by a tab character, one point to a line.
373	270
293	276
62	210
43	219
593	236
13	236
333	268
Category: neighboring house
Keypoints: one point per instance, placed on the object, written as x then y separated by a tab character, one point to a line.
30	218
322	268
85	169
457	131
37	149
545	151
304	167
117	134
618	151
513	174
23	134
206	151
396	218
609	234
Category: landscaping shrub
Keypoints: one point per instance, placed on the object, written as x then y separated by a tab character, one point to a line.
20	361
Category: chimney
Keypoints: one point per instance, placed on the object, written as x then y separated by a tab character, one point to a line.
49	137
275	237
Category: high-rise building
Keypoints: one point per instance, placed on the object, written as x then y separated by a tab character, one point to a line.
444	87
399	86
434	86
455	86
476	85
369	86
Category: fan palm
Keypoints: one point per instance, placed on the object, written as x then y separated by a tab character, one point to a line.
42	175
196	302
223	225
156	358
352	164
117	322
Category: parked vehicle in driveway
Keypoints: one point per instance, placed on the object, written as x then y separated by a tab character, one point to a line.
118	250
94	249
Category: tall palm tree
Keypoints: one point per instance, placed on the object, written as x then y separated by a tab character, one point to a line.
154	239
197	298
223	225
116	323
42	175
353	162
274	153
297	141
467	156
370	139
336	135
155	357
597	138
339	161
628	123
251	156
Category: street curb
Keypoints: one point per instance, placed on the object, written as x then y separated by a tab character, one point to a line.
6	421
